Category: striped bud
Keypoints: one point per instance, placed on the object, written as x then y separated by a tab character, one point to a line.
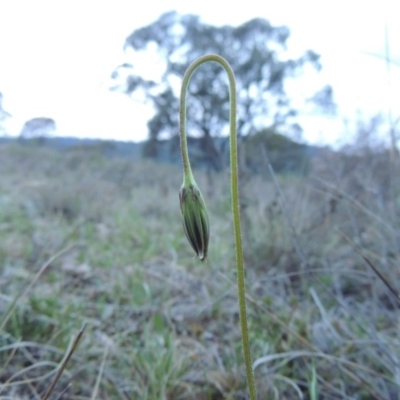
195	218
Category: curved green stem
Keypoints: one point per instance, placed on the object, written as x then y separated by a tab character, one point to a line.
188	177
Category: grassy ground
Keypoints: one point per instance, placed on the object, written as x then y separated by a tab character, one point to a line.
86	239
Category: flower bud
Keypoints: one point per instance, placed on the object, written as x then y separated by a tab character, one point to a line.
195	218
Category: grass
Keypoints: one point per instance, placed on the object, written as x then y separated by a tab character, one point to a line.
85	239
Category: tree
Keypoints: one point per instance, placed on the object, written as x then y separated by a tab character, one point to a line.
255	51
38	128
284	154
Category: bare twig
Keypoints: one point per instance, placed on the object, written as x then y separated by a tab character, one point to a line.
392	290
100	374
65	361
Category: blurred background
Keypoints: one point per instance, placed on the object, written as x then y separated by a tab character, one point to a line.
90	224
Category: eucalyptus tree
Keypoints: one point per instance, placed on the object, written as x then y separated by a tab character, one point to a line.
40	127
256	52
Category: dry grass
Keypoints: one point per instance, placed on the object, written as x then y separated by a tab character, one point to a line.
161	325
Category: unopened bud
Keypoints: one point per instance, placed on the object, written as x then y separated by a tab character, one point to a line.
195	218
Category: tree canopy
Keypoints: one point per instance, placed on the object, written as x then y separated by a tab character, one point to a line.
256	52
38	128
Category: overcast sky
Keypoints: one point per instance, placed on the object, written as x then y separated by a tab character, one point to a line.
56	57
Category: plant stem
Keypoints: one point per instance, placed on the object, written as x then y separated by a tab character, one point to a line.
234	195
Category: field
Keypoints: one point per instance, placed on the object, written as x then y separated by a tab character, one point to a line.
96	241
